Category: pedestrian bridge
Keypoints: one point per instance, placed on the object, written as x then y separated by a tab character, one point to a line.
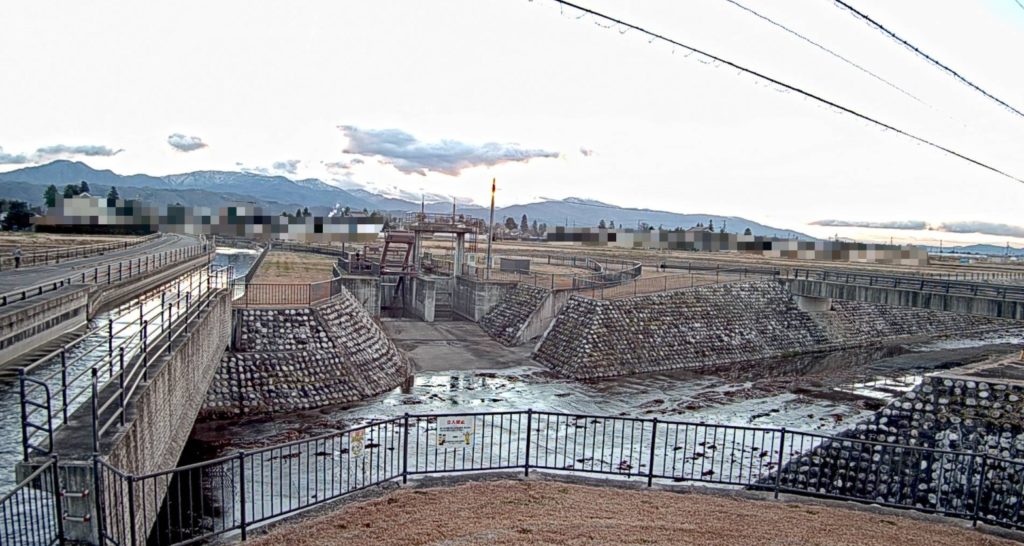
815	288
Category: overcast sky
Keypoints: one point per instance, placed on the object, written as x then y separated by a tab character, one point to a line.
441	96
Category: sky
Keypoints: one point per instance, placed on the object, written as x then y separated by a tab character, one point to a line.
441	97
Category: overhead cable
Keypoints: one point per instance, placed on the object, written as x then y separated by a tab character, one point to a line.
926	56
808	94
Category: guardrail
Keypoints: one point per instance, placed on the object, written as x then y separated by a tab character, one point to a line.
917	284
106	365
55	255
109	273
238	492
32	513
285	294
675	281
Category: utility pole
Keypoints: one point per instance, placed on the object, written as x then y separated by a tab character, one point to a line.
490	227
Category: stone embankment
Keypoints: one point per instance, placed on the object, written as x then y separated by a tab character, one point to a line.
945	413
710	326
507	319
299	359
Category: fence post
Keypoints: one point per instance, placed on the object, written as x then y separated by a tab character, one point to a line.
98	486
145	350
131	508
977	494
405	449
529	426
650	461
241	490
95	412
778	473
58	503
24	414
64	383
120	381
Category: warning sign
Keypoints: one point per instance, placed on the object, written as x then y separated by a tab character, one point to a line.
357	443
454	431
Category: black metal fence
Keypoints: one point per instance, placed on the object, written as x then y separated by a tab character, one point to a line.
31	514
236	493
57	255
107	364
112	272
918	284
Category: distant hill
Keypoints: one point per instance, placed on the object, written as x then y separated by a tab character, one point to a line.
988	250
222	188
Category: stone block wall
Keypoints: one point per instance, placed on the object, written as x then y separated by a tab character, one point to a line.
506	320
688	329
263	330
963	415
710	326
854	322
345	357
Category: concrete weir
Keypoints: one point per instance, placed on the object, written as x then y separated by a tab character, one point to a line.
159	418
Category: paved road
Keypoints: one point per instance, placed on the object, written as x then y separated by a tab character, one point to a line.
21	278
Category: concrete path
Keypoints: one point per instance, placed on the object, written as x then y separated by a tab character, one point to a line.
457	345
22	278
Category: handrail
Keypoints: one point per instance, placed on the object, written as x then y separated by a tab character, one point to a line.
919	284
108	273
119	357
31	259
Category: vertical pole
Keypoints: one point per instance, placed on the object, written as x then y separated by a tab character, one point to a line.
778	473
241	490
110	345
405	449
490	228
98	485
650	460
64	383
24	414
529	426
977	494
58	502
95	412
120	381
131	508
145	350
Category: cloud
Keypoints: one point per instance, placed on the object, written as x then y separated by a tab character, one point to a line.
86	150
184	143
587	152
290	166
893	224
987	228
409	155
48	153
12	159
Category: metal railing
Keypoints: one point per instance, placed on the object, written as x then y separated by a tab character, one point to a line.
107	364
285	294
675	281
108	273
32	513
235	493
56	255
918	284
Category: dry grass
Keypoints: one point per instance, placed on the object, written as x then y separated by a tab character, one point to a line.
294	267
29	242
535	512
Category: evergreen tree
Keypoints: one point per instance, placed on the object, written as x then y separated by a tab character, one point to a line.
543	229
510	223
711	224
611	224
83	187
747	232
305	212
602	225
112	194
524	224
298	213
70	191
534	228
50	196
18	216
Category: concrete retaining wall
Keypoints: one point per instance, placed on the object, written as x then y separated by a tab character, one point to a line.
365	289
507	320
474	298
32	323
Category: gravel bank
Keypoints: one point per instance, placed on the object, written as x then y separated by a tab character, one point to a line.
535	512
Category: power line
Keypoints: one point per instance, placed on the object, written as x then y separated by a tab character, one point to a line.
825	49
1019	3
927	57
655	36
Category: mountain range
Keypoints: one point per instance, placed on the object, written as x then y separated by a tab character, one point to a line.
222	188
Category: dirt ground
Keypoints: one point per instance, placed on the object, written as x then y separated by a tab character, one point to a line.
294	267
29	242
538	512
